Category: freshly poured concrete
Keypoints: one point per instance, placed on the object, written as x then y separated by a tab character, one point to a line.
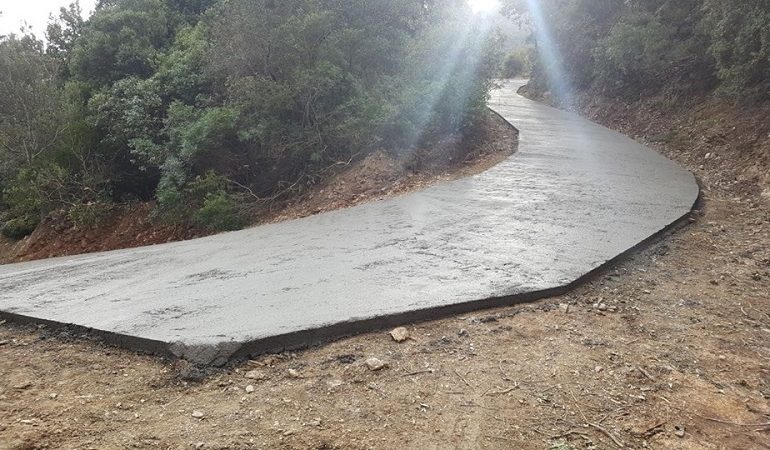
574	196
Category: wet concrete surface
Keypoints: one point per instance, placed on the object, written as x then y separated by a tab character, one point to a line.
575	196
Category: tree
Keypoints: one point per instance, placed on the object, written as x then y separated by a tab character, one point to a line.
62	33
30	115
740	32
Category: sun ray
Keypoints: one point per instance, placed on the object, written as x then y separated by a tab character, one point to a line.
484	6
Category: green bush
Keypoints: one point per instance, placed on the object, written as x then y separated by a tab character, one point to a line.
88	214
19	227
633	55
516	64
740	33
180	200
220	212
676	47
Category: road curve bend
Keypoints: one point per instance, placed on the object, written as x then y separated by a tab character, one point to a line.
575	196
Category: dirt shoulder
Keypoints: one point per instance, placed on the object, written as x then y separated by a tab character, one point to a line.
376	177
668	349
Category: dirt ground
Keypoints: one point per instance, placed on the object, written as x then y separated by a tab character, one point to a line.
669	349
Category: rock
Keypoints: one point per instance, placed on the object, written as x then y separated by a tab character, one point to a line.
250	389
598	369
602	307
564	307
400	334
197	414
53	396
294	373
679	431
23	386
4	342
463	332
314	423
256	375
335	383
375	364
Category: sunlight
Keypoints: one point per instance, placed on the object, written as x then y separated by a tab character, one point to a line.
549	55
484	6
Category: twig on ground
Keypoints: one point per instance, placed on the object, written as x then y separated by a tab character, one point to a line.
568	433
504	391
172	401
585	419
418	372
464	380
653	430
645	373
608	434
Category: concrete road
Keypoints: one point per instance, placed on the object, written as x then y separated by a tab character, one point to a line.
574	196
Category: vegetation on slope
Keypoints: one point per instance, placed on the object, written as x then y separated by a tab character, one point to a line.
207	105
641	47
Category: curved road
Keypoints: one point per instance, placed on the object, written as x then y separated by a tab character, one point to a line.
575	196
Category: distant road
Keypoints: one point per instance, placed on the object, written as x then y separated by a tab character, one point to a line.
574	196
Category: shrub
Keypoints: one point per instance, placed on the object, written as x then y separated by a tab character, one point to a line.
740	32
88	214
19	227
633	55
220	212
516	64
204	201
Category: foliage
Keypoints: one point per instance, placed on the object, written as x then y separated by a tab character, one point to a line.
193	103
220	212
645	46
88	214
740	33
19	227
30	119
516	64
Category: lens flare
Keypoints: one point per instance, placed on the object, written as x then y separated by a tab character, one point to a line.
484	6
549	55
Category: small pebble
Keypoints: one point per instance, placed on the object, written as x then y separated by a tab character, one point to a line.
256	375
400	334
375	364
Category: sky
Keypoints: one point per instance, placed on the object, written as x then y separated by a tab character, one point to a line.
34	12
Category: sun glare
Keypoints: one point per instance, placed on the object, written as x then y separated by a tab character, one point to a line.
484	6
